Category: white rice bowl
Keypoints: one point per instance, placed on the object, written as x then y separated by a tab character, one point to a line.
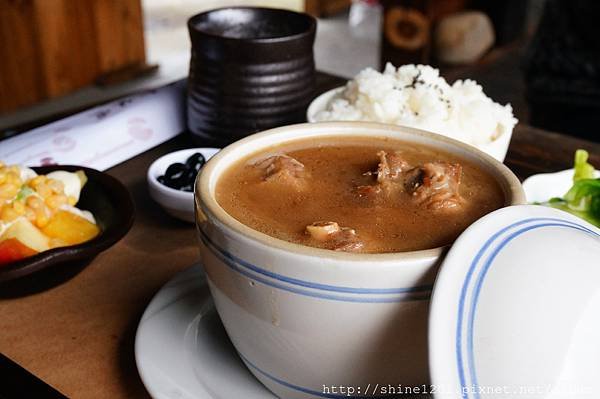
417	96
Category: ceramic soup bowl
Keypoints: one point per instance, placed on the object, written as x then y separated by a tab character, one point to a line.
307	321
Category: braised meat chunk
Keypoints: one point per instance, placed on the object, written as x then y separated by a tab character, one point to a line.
390	167
282	169
389	175
369	191
334	237
435	185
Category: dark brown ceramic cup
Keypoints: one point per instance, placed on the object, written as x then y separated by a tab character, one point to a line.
251	69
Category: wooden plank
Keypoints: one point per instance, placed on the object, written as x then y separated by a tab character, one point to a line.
535	150
312	7
21	79
53	47
119	32
66	45
325	8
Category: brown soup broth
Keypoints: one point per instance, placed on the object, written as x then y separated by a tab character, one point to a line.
335	167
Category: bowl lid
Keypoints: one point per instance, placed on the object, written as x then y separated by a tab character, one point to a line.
514	309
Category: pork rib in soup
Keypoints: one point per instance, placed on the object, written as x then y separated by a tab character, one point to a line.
372	195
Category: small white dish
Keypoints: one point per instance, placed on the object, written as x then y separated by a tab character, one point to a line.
543	186
179	204
496	149
182	350
514	309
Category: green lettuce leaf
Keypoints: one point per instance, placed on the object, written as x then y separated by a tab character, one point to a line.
583	198
583	169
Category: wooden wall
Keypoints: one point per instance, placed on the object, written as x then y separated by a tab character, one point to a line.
325	8
51	47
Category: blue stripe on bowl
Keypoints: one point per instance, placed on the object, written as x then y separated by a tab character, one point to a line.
308	284
298	388
470	366
333	295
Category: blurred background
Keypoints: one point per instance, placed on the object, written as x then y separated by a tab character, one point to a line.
542	56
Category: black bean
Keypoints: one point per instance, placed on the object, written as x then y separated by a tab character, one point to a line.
176	176
176	184
169	182
175	171
195	161
182	176
190	176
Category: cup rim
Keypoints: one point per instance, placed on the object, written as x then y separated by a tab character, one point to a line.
267	40
205	200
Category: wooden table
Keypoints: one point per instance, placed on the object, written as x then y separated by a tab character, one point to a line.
79	336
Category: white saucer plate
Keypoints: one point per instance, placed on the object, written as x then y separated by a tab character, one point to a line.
182	350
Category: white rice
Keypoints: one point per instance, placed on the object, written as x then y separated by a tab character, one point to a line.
417	96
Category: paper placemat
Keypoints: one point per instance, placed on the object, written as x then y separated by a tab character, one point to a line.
103	136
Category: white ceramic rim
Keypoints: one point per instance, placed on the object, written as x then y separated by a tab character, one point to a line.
320	102
206	183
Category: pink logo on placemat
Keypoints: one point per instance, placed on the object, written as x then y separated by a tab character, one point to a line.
61	129
138	130
63	143
47	161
